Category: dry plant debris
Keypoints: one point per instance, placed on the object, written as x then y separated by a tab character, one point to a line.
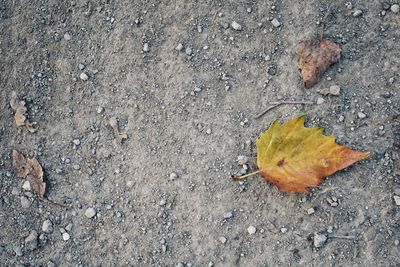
314	57
296	158
114	125
31	170
20	110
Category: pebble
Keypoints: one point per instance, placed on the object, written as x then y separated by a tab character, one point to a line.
310	211
395	8
357	13
77	142
100	109
228	215
47	226
334	90
179	47
31	241
361	115
66	236
284	230
208	131
25	203
51	264
251	230
319	240
146	47
18	251
26	186
242	160
58	171
67	36
397	200
81	66
276	23
84	76
69	227
222	239
162	202
341	118
173	176
90	213
236	26
189	51
320	100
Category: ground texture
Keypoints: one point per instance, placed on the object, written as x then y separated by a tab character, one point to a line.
164	197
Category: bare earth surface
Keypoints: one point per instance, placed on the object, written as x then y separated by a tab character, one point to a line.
164	197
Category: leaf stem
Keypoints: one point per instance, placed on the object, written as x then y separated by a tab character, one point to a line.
245	176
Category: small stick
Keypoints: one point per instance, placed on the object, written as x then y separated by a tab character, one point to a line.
276	104
343	236
244	176
45	200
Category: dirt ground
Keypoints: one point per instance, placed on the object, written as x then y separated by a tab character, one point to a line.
185	87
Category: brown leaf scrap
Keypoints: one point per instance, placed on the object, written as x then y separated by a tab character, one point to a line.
114	125
31	170
314	58
20	110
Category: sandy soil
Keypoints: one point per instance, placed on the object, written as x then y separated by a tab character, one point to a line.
164	197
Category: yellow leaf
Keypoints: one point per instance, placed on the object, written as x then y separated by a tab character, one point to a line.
295	158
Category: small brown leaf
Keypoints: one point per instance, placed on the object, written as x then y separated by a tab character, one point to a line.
20	110
314	58
31	170
114	125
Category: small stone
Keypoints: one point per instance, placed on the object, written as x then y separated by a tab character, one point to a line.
31	241
67	36
310	211
361	115
341	118
58	171
173	176
395	8
397	200
242	160
146	47
100	109
15	191
66	236
81	66
284	230
319	240
163	202
236	26
320	100
199	29
25	203
90	213
357	13
84	76
334	90
208	131
77	142
222	239
396	242
179	47
189	51
51	264
47	226
18	251
276	23
26	186
69	227
228	215
251	230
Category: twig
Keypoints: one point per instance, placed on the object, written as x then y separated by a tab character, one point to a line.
244	176
343	236
45	200
276	104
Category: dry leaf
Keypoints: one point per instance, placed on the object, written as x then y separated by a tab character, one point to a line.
295	158
114	125
314	58
31	170
20	110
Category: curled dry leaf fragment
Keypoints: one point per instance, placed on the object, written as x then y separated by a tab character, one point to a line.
31	170
114	125
20	110
314	57
296	158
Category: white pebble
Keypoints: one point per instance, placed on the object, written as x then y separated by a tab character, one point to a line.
276	23
395	8
222	239
361	115
84	76
173	176
25	203
310	211
100	110
179	47
236	26
334	90
67	36
319	240
26	186
189	51
47	226
251	230
66	236
283	230
397	200
357	13
320	100
208	131
146	47
90	213
76	142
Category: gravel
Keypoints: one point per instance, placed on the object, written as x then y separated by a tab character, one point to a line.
395	8
251	230
319	240
397	200
334	90
31	241
189	51
357	13
66	236
146	47
47	226
222	239
179	47
83	76
90	213
236	26
361	115
310	211
275	23
25	203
